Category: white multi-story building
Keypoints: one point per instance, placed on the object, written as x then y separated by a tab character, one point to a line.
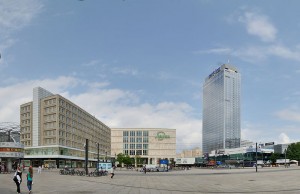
221	109
149	144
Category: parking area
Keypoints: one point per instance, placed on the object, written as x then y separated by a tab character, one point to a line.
266	180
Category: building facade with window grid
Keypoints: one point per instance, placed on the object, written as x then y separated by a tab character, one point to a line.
54	130
221	109
148	144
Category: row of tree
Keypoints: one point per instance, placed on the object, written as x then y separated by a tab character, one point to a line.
292	153
127	161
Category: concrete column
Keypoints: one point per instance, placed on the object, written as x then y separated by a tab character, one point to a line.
9	164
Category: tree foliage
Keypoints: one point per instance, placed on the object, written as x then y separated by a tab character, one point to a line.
274	157
293	151
124	159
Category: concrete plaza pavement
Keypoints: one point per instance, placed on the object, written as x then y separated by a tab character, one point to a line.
266	180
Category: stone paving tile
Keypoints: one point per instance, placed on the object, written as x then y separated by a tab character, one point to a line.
267	180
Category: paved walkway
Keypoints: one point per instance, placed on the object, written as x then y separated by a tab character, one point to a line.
266	180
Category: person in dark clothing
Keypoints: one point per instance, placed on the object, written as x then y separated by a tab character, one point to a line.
18	179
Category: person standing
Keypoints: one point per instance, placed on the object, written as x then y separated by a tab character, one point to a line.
112	172
18	178
29	178
39	170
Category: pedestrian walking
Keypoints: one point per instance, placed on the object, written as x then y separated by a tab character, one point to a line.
18	179
145	169
29	178
112	172
39	170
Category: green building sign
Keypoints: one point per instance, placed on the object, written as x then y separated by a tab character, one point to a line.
161	136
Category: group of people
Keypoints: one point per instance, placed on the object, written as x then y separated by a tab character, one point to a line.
29	176
3	168
18	178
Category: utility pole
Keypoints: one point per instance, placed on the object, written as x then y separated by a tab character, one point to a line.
86	156
256	156
285	158
98	157
105	156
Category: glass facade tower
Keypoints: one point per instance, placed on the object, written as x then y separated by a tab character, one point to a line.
221	109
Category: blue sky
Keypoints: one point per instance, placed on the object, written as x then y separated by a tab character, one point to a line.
142	63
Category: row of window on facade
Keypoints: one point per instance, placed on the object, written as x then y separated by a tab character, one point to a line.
25	122
50	101
25	115
74	109
135	139
25	129
25	136
52	125
26	143
135	133
136	152
82	123
25	108
135	146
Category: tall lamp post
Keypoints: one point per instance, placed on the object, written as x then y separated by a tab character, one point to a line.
105	156
98	157
256	156
285	158
86	156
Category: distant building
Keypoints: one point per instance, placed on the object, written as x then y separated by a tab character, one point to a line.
246	143
150	145
192	153
280	148
54	131
11	150
221	109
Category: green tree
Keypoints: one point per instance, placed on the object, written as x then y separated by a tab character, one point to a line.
124	159
127	160
120	158
293	151
274	157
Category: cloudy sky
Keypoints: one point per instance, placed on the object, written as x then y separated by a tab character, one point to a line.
142	63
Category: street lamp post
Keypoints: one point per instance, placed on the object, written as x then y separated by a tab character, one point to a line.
98	157
256	156
86	156
105	156
285	158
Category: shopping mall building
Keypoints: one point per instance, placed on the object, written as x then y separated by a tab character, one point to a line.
11	150
54	132
151	145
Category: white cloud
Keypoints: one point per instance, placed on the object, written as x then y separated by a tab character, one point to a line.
259	25
114	107
21	92
254	54
214	51
92	63
283	139
17	14
125	71
289	115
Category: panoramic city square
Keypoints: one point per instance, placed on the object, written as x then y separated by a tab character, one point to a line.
149	96
196	180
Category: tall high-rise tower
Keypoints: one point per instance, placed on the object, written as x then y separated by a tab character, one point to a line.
221	109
